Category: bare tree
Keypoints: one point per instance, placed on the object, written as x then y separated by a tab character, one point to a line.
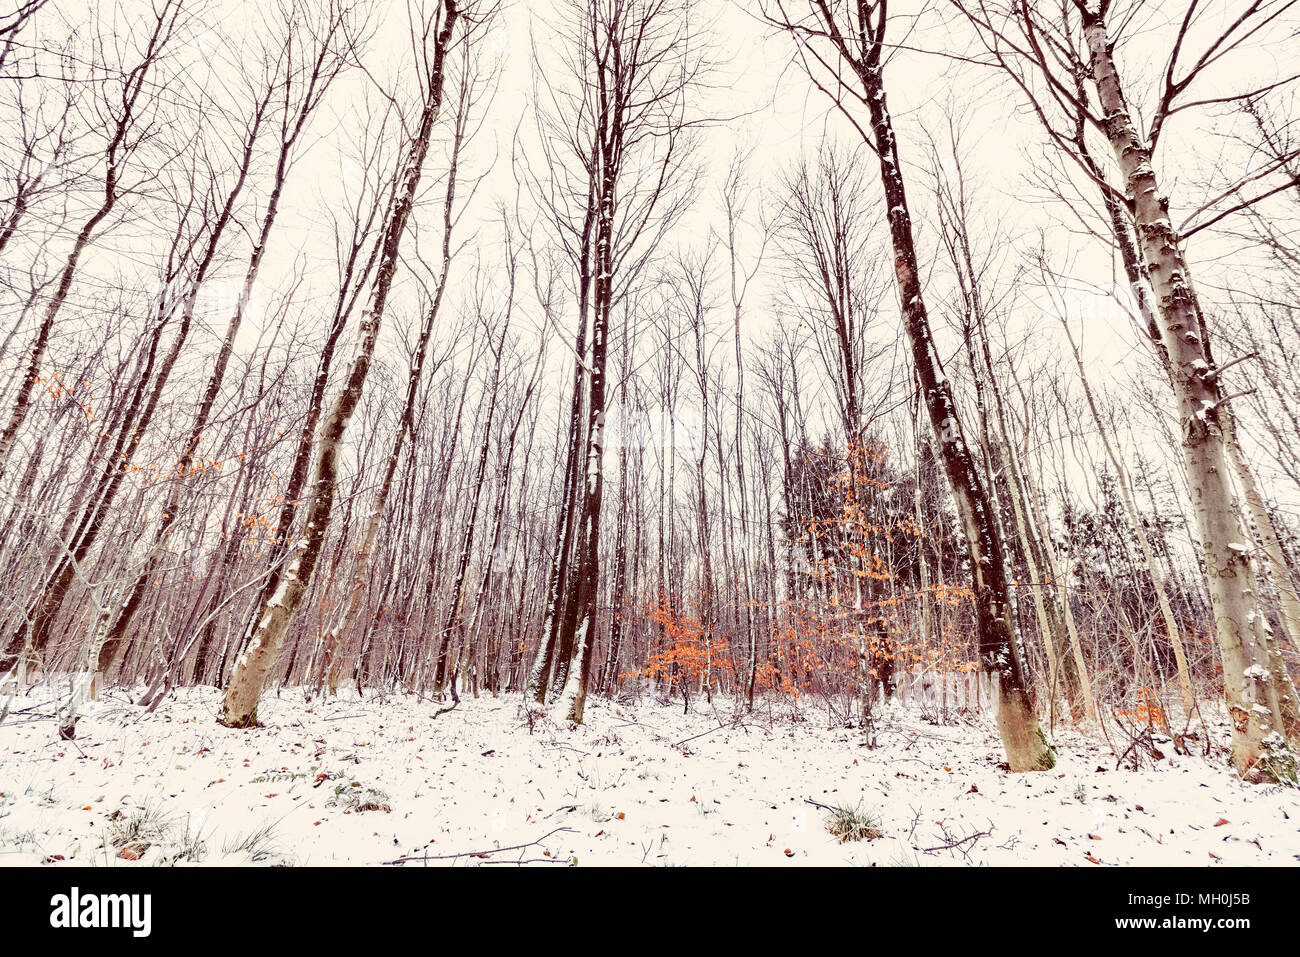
1258	689
837	37
616	141
242	695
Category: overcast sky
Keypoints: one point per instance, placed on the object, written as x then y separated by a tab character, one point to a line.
765	106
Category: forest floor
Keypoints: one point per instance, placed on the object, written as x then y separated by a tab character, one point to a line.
344	781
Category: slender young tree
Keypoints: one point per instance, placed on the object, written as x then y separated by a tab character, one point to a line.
239	709
623	119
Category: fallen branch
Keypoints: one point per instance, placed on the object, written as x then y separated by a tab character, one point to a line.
495	850
677	744
955	843
534	860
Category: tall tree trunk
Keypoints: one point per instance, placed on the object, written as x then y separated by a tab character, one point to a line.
1023	739
1253	691
338	635
239	709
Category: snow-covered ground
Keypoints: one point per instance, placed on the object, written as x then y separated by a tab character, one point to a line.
635	785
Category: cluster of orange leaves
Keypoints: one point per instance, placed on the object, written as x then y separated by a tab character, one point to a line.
815	650
1148	709
691	650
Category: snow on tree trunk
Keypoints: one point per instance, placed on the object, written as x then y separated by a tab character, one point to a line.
239	709
1252	691
1022	738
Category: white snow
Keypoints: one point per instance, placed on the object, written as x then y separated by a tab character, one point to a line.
635	785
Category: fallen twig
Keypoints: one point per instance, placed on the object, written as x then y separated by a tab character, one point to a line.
494	850
955	843
702	734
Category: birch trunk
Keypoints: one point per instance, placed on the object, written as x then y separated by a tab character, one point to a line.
1253	692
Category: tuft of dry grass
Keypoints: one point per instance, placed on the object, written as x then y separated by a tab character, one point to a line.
850	824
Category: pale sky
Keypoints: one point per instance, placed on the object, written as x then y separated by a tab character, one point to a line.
779	117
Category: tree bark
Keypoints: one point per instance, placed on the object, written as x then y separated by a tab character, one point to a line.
239	709
1254	693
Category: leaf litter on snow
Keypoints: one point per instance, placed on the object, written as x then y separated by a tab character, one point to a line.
347	781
